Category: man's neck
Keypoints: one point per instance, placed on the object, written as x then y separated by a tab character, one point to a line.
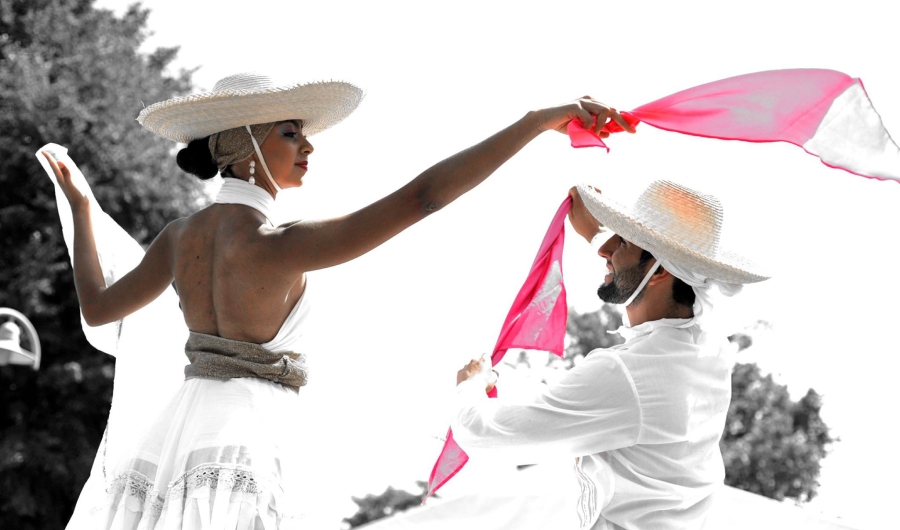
646	311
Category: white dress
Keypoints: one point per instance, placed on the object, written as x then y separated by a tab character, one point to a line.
180	454
213	459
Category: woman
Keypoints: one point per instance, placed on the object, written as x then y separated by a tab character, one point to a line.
213	458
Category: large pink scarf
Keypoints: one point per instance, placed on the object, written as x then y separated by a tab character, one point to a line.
827	113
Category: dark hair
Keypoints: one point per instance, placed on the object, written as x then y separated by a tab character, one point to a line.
197	160
682	293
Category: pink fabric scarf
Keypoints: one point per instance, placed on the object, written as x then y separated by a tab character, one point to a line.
536	321
825	112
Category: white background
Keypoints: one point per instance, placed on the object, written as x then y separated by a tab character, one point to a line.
393	327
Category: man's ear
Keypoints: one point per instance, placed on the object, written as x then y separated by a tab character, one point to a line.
660	275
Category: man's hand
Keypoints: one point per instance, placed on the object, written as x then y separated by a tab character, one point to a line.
478	368
582	220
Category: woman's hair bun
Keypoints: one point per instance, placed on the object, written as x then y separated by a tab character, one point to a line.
197	160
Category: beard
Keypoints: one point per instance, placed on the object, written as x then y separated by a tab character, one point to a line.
623	285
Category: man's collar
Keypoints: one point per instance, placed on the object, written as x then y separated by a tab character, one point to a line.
628	333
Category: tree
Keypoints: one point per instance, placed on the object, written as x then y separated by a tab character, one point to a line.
772	445
72	74
374	507
589	331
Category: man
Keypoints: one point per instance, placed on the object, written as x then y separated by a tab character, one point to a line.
643	419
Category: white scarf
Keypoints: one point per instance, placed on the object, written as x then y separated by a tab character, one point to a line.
703	301
703	298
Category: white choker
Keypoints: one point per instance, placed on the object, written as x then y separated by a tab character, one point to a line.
237	191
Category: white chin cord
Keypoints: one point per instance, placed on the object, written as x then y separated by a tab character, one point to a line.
262	161
640	287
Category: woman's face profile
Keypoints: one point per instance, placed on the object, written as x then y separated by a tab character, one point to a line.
286	152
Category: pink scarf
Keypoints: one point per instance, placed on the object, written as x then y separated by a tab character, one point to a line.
825	112
536	321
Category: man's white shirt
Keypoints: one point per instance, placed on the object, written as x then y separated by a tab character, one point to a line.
642	420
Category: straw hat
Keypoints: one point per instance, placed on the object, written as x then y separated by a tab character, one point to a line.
677	224
249	99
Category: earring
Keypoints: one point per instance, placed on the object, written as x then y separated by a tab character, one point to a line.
252	180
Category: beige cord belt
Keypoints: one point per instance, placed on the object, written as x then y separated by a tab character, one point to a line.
218	358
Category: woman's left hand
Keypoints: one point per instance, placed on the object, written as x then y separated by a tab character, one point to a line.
478	367
78	198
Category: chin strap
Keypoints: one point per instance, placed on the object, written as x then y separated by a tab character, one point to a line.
643	283
262	161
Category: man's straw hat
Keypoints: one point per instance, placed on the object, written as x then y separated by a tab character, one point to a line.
248	99
677	224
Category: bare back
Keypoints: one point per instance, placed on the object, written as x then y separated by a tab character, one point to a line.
226	284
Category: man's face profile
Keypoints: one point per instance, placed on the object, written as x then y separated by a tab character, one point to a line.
625	270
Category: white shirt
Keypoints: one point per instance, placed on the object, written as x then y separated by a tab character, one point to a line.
642	419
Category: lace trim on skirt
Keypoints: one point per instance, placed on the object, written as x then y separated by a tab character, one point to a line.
134	503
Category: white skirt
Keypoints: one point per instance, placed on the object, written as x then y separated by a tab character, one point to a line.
212	460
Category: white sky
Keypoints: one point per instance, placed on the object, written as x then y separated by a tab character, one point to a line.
393	327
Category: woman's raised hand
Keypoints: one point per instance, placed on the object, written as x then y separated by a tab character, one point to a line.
590	112
78	197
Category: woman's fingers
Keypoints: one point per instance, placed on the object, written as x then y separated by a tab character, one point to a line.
63	175
604	114
621	121
70	189
599	113
593	115
53	164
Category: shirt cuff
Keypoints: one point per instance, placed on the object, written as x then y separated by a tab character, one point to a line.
472	389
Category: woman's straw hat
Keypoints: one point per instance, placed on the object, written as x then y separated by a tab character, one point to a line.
677	224
248	99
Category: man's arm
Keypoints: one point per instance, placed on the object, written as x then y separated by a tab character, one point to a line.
594	407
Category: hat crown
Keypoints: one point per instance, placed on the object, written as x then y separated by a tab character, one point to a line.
687	217
245	82
11	332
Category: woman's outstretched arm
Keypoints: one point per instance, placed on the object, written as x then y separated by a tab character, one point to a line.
101	304
315	245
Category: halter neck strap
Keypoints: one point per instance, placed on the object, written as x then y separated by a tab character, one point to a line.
237	191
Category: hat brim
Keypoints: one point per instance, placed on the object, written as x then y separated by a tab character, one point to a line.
318	105
724	266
